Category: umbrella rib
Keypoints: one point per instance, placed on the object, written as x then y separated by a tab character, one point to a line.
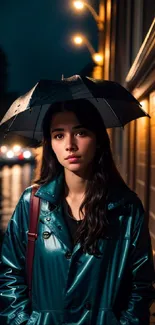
36	122
113	112
8	128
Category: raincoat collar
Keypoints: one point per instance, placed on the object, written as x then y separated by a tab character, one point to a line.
52	190
54	220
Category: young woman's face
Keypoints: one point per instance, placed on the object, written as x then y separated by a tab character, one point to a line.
73	145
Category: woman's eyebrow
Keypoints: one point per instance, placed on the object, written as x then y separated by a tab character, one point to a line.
61	129
57	130
78	126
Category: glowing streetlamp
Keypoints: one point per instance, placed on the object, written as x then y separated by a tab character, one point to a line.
78	40
97	57
79	5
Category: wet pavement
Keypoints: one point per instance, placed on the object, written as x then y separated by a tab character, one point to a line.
13	181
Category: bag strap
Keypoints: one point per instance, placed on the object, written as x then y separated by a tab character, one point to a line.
32	235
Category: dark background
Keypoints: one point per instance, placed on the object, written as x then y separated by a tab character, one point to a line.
35	41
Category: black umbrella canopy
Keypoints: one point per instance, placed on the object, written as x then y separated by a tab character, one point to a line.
115	104
78	87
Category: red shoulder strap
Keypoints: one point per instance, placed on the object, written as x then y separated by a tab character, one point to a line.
32	235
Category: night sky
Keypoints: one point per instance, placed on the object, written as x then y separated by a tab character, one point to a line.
36	38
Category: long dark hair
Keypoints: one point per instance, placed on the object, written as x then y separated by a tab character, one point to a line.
104	172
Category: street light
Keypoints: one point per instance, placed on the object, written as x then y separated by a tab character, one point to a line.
97	57
78	40
79	5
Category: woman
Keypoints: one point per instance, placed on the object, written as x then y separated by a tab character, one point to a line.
93	260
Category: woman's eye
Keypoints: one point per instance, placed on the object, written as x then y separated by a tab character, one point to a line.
58	136
81	133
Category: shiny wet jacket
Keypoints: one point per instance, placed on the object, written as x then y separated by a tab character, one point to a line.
70	287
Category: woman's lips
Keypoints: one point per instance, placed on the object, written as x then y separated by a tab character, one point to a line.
73	158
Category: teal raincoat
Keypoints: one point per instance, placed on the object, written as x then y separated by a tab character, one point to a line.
70	287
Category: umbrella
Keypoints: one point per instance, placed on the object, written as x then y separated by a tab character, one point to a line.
115	104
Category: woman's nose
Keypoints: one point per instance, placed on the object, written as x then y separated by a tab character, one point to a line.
71	144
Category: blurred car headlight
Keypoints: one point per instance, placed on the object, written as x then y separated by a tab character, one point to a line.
3	149
16	148
27	154
10	154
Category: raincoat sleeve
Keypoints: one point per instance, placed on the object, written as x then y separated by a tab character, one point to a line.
14	301
142	270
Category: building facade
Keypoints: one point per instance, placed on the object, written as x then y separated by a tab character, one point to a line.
128	46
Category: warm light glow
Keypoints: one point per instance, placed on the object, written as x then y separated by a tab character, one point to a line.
142	122
144	104
27	154
109	10
98	58
10	154
4	149
78	40
78	4
16	148
97	72
152	106
152	98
